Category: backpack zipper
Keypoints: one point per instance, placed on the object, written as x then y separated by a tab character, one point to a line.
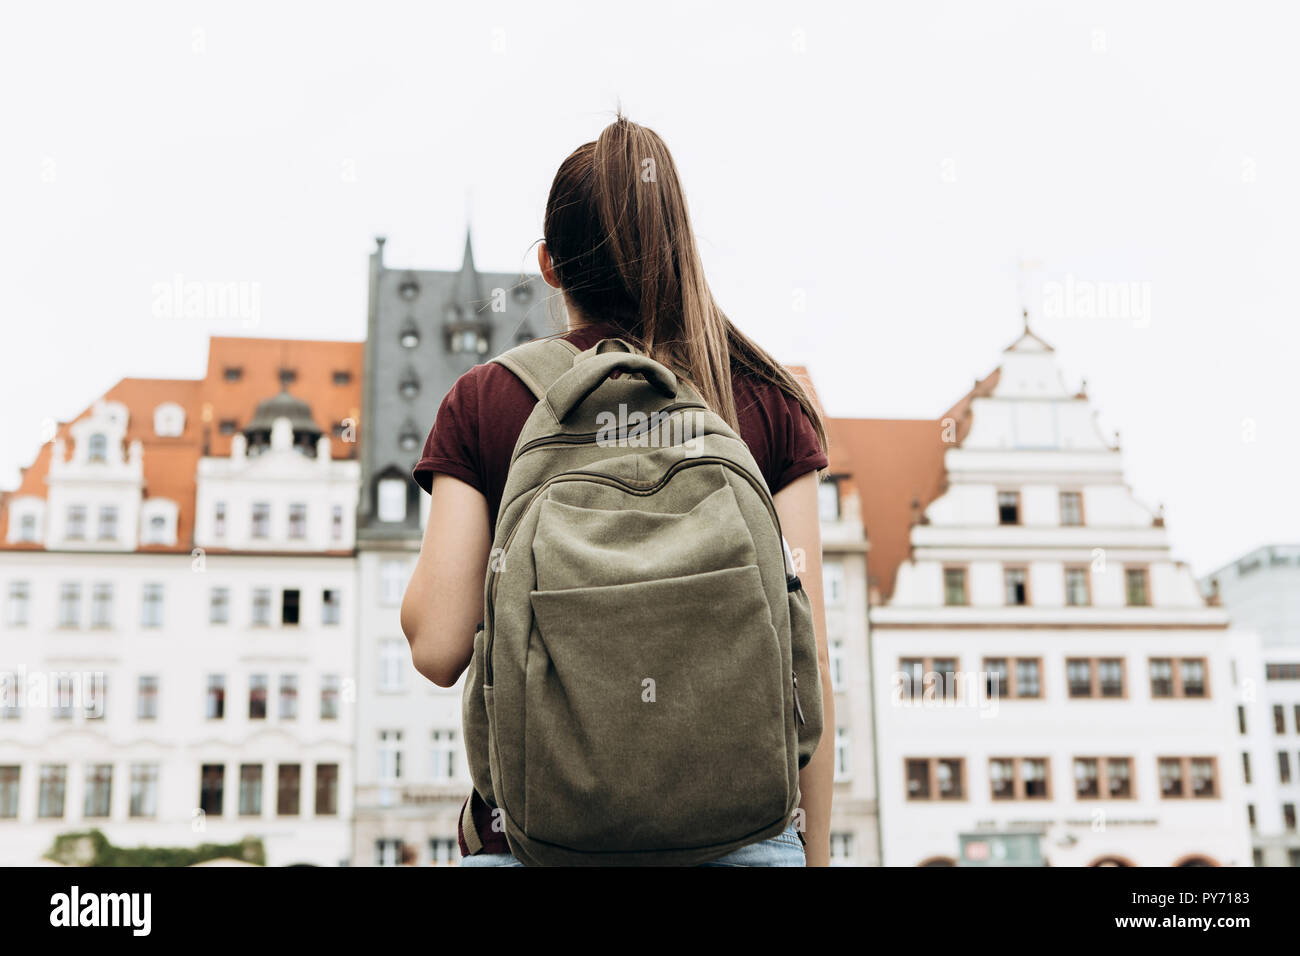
798	711
600	478
584	438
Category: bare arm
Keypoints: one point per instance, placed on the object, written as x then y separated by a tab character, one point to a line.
796	505
444	598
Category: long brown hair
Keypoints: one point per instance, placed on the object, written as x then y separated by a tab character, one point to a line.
622	247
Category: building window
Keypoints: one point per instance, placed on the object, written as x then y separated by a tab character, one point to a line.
288	696
828	500
261	520
1012	677
232	373
1179	677
954	587
53	790
336	523
17	609
342	376
392	500
1077	591
146	698
27	528
262	607
1095	676
219	520
392	664
444	756
1279	719
11	696
1282	671
65	697
257	692
152	606
107	523
227	426
1018	778
297	521
289	606
212	788
1071	508
288	801
1016	581
250	790
215	702
1283	767
327	789
329	607
101	606
1183	777
392	582
833	582
1288	816
443	852
1008	507
928	677
843	755
1135	587
841	849
390	755
1245	767
155	531
76	525
837	664
97	449
288	376
219	606
388	852
1103	778
99	790
1250	819
70	604
1241	720
935	778
10	776
329	697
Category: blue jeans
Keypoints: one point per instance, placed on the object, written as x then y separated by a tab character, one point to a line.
784	849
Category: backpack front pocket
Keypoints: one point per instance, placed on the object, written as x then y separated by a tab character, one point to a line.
654	714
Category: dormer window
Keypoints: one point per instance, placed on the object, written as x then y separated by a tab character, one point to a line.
27	528
108	523
97	448
232	373
156	530
228	426
410	386
342	376
76	529
288	376
410	335
467	337
168	420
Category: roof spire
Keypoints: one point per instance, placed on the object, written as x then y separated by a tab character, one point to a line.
466	291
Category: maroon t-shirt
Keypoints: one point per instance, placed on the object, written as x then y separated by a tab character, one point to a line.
480	419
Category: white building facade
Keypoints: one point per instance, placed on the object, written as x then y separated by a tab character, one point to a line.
181	695
1049	684
1261	593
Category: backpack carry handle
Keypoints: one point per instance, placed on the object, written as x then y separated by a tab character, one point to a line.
573	387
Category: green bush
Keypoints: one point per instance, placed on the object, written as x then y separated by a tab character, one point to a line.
91	848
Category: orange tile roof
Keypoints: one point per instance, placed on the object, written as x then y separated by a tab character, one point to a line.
171	464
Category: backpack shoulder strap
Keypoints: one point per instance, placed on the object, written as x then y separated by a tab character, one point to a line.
539	363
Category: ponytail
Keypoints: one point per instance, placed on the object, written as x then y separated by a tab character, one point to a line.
622	247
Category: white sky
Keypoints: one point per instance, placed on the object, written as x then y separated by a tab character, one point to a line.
896	171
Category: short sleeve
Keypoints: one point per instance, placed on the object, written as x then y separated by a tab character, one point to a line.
452	445
798	450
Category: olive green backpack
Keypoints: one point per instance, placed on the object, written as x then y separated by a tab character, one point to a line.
644	689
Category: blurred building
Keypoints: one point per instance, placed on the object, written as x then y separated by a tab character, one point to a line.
180	616
1261	593
1049	684
425	328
